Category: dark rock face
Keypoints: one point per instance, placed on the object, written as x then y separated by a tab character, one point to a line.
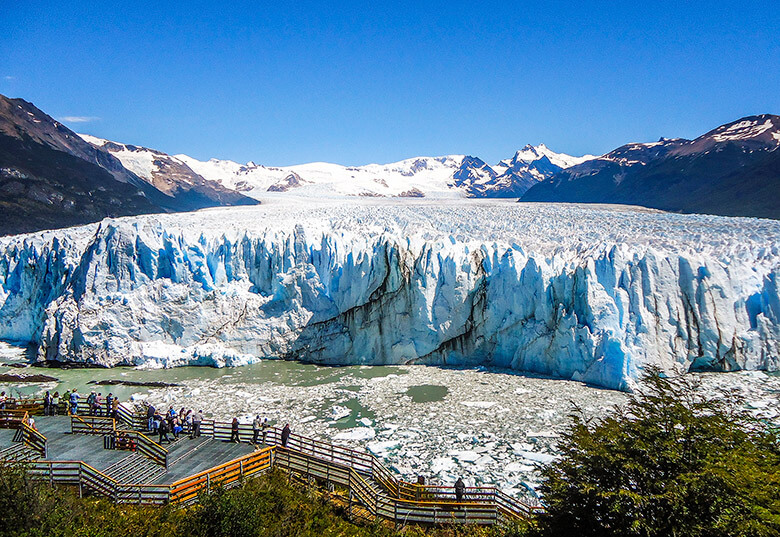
51	178
43	188
177	180
412	193
733	170
293	180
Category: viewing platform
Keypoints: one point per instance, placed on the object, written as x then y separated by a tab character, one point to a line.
117	460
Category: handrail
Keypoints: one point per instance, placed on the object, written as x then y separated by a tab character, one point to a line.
34	439
92	425
224	474
347	466
147	446
13	418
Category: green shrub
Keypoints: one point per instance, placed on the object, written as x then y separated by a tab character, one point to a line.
673	462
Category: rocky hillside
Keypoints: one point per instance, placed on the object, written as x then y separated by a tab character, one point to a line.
733	170
50	177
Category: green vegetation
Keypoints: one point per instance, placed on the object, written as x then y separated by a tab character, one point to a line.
673	462
268	506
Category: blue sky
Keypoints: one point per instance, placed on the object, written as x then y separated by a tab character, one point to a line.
284	83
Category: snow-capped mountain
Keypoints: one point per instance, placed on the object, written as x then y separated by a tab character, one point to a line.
732	170
449	176
531	153
168	174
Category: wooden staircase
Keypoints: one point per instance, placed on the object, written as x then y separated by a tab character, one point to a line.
19	452
135	468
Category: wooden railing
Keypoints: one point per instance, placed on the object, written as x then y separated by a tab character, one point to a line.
92	425
332	463
368	481
127	414
146	446
84	476
12	418
34	440
186	490
434	505
32	406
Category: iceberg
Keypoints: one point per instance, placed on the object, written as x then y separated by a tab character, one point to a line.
595	294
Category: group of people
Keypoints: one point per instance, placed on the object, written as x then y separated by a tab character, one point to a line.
70	403
183	422
188	422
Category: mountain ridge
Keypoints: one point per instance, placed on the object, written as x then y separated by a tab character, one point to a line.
438	177
732	170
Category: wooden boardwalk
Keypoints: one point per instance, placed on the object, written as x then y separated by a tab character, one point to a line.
115	459
187	457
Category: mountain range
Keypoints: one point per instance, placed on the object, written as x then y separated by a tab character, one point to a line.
52	177
733	170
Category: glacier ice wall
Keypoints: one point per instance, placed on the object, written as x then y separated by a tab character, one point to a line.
592	295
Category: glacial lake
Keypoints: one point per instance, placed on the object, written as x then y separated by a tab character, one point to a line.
488	426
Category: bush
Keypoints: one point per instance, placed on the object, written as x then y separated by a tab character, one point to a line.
673	462
263	507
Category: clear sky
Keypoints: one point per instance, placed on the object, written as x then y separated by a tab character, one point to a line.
357	82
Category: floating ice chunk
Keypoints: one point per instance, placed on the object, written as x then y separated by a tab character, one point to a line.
467	456
516	467
356	433
381	448
478	404
544	458
484	460
307	419
542	434
442	464
365	421
338	412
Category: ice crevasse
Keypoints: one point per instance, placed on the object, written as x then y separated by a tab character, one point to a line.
591	295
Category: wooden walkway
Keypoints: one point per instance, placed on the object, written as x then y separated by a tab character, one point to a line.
117	460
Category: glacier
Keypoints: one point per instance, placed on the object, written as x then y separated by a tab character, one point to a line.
590	293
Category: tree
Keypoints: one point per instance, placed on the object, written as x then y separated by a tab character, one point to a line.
672	462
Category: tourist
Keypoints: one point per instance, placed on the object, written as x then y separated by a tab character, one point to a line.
150	412
171	412
55	403
115	408
109	404
265	429
31	423
74	402
157	419
188	422
66	402
285	434
47	404
256	425
175	426
196	420
91	403
162	431
2	400
99	404
460	489
234	431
